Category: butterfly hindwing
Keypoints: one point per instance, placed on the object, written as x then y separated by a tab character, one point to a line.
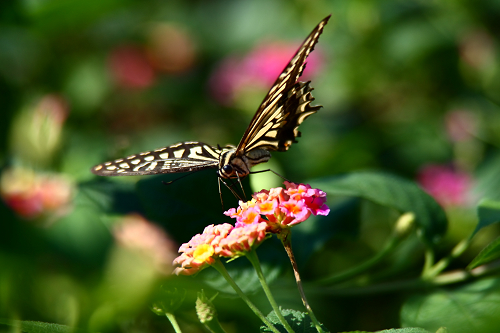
180	157
286	105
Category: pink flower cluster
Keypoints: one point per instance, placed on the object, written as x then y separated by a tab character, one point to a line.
281	208
223	240
268	212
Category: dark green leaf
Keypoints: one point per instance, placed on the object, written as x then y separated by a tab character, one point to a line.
471	308
488	254
298	321
488	212
391	191
39	327
396	330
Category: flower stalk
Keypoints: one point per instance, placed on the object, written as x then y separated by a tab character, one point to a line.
222	270
252	257
285	240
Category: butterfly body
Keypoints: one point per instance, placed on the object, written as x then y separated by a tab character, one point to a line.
274	127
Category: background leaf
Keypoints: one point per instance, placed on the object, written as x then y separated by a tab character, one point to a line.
391	191
488	212
488	254
470	308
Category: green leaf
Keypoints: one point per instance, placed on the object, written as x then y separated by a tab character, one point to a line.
391	191
396	330
243	274
488	254
488	212
38	327
472	308
299	321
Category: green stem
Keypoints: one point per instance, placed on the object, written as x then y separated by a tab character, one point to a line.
173	321
222	270
458	276
388	248
284	236
428	261
457	251
252	256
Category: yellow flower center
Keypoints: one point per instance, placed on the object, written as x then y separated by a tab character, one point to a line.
203	253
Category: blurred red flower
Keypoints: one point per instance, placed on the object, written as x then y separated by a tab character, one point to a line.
130	67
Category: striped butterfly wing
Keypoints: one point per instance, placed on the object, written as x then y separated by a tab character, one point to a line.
180	157
286	105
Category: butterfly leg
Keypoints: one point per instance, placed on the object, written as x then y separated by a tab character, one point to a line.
241	185
230	187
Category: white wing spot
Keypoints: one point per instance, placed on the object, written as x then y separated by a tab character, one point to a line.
124	165
149	158
145	153
164	156
111	168
161	149
152	166
179	153
120	160
194	151
107	163
136	161
130	157
97	168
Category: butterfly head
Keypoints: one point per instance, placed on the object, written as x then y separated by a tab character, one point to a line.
235	165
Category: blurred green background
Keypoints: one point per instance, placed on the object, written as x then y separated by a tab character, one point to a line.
407	87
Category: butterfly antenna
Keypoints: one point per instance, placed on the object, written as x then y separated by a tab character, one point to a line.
277	174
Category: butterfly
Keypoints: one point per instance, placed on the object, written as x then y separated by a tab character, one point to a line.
274	127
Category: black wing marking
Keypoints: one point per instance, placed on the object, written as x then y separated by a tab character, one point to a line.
277	119
180	157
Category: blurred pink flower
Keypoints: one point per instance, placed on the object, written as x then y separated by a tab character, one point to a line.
448	186
135	232
130	67
477	49
258	69
170	48
33	195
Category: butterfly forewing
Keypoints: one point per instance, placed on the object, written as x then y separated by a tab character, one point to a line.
180	157
286	105
273	127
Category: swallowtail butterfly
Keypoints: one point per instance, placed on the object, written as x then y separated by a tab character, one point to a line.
273	127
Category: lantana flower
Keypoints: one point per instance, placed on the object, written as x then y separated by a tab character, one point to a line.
267	212
281	208
199	252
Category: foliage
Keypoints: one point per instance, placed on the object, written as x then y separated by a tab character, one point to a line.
406	148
